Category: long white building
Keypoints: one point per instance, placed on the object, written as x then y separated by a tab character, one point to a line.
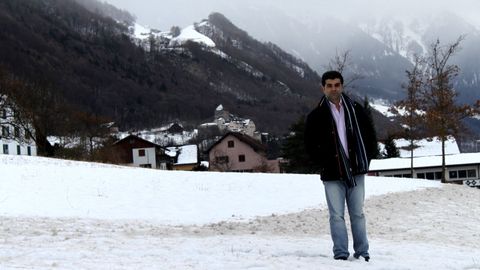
460	168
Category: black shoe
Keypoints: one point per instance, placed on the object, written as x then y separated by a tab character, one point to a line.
342	258
367	258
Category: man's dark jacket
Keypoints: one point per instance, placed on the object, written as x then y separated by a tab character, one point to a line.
321	142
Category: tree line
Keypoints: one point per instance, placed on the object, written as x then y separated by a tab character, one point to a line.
39	111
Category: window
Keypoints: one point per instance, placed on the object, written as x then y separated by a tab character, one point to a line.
430	175
438	175
18	150
462	174
146	165
5	149
4	114
16	132
231	144
250	170
472	173
141	152
421	175
241	158
29	150
5	131
222	159
406	175
453	174
27	135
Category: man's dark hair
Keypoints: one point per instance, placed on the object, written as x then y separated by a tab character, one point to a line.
331	75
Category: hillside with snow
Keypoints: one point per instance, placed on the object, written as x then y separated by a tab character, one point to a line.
58	214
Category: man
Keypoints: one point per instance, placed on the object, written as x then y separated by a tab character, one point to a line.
340	141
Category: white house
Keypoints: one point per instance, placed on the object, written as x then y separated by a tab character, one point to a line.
13	139
460	168
135	151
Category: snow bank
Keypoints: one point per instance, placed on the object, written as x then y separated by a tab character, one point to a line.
36	186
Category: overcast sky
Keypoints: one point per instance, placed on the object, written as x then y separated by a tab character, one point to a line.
163	14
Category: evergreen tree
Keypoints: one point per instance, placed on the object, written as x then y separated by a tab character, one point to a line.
368	112
391	150
293	150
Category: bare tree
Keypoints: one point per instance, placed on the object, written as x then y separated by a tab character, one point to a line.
36	108
221	162
263	166
10	116
442	113
408	111
341	63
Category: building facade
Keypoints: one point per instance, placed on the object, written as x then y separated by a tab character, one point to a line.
237	152
15	140
135	151
460	168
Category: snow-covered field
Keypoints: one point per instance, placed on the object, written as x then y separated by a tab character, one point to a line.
57	214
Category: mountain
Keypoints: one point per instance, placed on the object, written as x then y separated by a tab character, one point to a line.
409	36
381	44
94	62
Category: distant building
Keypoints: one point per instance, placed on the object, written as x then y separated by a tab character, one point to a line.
14	140
135	151
175	128
460	168
237	152
185	157
229	122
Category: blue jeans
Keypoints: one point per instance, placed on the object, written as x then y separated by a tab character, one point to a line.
337	193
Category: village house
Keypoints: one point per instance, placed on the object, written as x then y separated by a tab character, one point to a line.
14	139
135	151
185	157
237	152
175	128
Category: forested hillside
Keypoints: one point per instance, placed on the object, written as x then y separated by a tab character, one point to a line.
92	61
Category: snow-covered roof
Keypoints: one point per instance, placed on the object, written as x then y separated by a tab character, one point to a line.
188	154
219	108
426	147
190	34
424	162
208	124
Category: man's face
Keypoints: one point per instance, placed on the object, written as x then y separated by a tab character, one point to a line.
333	90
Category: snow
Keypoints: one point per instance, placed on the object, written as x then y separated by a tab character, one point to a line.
188	154
140	31
421	162
399	32
58	214
162	136
190	34
383	109
426	147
